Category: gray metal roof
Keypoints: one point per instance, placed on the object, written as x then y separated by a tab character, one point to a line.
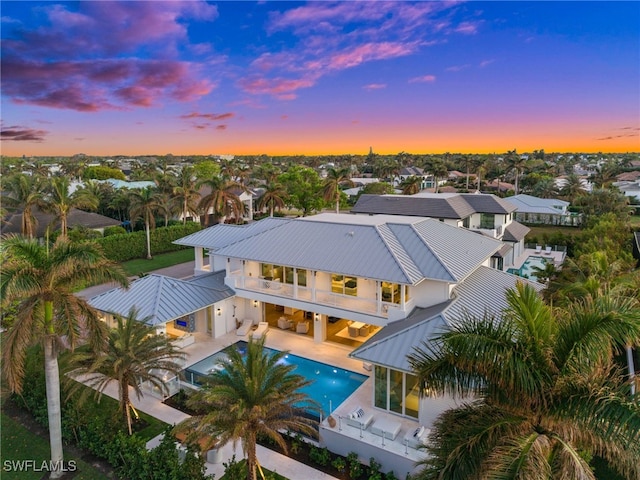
223	234
530	204
482	292
419	205
488	203
13	223
389	248
514	232
160	298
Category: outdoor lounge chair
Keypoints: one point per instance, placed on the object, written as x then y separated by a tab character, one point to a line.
538	248
417	437
547	250
245	327
359	418
263	327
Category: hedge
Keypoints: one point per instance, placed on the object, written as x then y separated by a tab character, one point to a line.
127	246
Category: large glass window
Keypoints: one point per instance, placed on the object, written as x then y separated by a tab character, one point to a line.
302	278
487	221
344	284
396	391
391	292
380	394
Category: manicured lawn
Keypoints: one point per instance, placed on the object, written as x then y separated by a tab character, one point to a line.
142	265
18	443
635	221
538	231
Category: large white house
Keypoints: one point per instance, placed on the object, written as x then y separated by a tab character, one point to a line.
376	285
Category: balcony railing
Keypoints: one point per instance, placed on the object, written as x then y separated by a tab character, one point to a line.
306	294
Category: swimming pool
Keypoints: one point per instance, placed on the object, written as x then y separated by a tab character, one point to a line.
330	385
526	270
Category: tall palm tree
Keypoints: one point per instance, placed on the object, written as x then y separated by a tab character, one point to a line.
220	199
573	187
254	395
272	198
41	278
547	391
516	163
144	205
439	170
336	177
59	201
24	192
132	355
411	185
185	192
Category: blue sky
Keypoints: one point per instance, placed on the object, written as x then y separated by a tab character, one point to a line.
107	78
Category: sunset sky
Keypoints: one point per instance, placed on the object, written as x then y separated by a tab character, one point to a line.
239	77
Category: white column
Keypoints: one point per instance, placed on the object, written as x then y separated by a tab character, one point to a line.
319	328
198	256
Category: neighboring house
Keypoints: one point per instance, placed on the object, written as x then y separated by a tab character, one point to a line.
499	186
629	188
548	211
118	184
483	213
427	180
400	279
76	217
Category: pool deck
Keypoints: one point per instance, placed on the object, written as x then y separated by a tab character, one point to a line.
557	257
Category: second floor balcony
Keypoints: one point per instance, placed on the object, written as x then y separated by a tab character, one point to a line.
373	305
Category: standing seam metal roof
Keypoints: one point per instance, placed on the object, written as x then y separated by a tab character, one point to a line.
158	299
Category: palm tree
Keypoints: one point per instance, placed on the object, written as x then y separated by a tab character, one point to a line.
272	198
144	205
41	278
220	199
254	395
60	201
331	185
439	170
411	185
517	163
185	193
573	187
131	356
547	388
24	192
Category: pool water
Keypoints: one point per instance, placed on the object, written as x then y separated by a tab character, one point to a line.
330	385
526	270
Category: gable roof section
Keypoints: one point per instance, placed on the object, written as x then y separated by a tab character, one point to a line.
385	347
160	299
75	217
461	250
515	231
221	235
487	203
451	206
482	292
530	204
389	248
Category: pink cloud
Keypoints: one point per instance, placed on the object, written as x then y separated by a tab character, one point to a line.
485	63
95	58
368	52
423	79
209	116
221	127
457	68
375	86
282	88
467	28
22	134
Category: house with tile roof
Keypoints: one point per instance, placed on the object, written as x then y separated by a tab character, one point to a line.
547	211
486	214
376	285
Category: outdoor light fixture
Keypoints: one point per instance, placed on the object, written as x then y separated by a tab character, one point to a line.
255	303
219	311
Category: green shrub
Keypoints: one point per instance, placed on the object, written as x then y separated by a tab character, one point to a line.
127	246
108	231
320	455
355	467
339	464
